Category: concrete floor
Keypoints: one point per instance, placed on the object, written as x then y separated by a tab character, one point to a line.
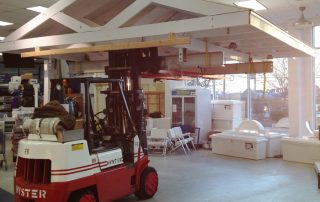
208	177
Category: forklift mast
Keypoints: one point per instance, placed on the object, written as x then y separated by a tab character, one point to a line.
124	113
128	65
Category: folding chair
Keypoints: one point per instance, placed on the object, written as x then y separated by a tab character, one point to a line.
158	139
177	141
186	137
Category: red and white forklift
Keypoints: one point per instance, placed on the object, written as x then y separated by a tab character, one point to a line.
105	160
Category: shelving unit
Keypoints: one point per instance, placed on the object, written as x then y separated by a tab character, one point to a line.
3	160
153	101
6	105
5	99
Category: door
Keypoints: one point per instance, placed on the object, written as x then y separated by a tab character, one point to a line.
177	111
189	120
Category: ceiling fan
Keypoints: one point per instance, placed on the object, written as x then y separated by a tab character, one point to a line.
302	22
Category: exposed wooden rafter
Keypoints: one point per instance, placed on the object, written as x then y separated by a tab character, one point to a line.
196	19
127	14
200	8
157	29
39	19
239	68
71	23
109	47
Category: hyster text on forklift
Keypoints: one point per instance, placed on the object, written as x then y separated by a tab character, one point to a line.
105	160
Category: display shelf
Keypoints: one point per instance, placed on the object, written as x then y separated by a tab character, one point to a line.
153	101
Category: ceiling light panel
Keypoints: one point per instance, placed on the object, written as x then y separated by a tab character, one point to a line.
38	9
1	38
251	4
3	23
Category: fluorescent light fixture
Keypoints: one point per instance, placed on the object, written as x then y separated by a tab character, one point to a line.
1	38
3	23
38	9
251	4
231	62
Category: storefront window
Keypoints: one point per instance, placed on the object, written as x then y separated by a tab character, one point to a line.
317	74
269	94
317	89
233	87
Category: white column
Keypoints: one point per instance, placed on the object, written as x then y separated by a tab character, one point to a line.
301	90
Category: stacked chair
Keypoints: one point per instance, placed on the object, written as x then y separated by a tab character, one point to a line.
158	140
180	139
169	139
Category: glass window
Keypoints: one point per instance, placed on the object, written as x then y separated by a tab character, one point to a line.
269	94
233	87
317	89
316	35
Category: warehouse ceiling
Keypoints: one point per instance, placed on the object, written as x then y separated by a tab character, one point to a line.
234	31
278	12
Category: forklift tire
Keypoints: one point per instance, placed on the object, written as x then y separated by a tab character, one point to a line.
148	183
83	196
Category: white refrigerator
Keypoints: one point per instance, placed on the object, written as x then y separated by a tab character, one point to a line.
191	108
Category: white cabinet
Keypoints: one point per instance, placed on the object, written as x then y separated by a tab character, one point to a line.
227	114
225	124
227	109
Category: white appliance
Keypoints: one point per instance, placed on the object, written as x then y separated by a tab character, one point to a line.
253	131
191	107
244	146
226	114
301	149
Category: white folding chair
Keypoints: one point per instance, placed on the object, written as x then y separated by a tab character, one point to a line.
186	137
177	141
158	139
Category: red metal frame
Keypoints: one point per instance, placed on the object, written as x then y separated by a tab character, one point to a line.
110	184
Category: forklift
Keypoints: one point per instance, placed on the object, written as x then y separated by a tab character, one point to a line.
105	160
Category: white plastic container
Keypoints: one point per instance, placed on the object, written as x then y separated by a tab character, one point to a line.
301	149
254	129
225	124
251	147
274	143
227	109
162	123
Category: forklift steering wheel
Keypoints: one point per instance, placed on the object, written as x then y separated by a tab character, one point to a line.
99	123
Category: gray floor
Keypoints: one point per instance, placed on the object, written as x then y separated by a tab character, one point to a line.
208	177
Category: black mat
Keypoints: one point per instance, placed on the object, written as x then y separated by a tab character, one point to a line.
5	196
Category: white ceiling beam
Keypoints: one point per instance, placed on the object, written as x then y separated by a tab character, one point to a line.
199	7
127	14
89	22
38	20
71	23
261	24
158	29
108	47
199	46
